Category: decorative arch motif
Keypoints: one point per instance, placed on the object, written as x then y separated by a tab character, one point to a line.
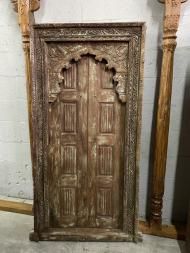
114	55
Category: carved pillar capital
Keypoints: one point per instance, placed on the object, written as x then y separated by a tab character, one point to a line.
171	24
24	8
34	5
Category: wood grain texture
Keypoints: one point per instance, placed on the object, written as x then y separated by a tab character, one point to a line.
86	135
16	207
83	97
171	22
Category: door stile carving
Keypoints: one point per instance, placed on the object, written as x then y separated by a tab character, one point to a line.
171	23
134	96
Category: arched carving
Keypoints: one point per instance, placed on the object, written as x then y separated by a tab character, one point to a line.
113	55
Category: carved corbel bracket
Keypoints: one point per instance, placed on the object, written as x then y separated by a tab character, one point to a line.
171	23
120	79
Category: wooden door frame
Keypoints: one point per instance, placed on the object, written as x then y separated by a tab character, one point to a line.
129	88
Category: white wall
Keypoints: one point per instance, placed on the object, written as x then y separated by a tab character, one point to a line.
15	162
15	166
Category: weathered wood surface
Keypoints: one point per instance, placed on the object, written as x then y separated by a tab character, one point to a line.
15	207
171	22
86	148
86	123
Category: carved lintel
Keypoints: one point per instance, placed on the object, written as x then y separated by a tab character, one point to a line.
171	23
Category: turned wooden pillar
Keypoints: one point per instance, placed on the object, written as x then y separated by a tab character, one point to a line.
25	9
171	22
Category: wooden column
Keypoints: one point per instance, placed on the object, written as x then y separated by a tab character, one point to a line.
25	9
171	23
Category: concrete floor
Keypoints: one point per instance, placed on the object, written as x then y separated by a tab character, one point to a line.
15	228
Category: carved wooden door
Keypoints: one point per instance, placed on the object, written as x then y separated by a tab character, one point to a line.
86	148
86	105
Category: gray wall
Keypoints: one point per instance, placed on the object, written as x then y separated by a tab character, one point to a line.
15	165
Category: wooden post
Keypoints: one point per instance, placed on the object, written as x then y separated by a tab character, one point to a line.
25	9
171	23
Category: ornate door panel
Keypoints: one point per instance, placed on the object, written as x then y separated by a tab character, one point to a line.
105	148
86	112
86	126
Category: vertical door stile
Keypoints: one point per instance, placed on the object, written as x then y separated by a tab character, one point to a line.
82	212
93	80
54	161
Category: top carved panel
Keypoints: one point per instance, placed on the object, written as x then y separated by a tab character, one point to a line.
115	31
118	41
